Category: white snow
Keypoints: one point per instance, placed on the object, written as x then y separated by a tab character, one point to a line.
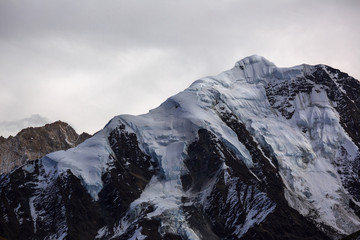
87	161
137	235
18	214
101	232
29	167
33	212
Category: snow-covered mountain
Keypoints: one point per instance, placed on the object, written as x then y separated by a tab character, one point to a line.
256	152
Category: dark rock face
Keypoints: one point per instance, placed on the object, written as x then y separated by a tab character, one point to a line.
354	236
203	162
33	143
344	91
46	204
18	204
129	173
286	92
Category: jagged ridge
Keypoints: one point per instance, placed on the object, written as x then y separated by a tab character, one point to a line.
33	143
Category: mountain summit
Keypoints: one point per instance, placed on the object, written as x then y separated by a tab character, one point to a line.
256	152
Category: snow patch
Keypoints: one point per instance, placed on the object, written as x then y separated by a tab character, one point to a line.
137	235
33	212
30	168
87	161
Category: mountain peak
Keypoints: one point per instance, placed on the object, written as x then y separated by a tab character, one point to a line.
254	67
254	60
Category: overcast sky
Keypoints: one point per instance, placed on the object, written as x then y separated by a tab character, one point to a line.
86	61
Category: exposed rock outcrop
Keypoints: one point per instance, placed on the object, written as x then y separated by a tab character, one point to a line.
34	142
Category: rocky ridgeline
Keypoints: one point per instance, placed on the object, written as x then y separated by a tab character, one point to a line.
34	142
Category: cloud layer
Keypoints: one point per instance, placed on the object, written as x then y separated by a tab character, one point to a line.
8	128
84	61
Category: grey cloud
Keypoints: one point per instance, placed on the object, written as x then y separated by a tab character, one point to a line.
85	61
8	128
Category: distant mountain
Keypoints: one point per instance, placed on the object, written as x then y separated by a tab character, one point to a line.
256	152
33	143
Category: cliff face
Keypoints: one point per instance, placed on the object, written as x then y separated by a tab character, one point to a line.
33	143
